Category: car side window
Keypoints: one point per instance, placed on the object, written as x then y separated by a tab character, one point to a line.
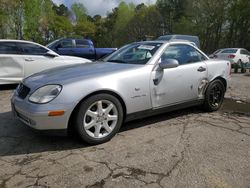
31	49
65	44
8	48
244	52
82	44
185	54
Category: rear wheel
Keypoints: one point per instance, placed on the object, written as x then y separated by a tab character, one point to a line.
99	118
236	66
214	96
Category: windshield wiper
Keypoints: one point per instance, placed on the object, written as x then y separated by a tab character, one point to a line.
117	61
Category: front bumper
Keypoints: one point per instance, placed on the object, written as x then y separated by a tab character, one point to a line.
36	115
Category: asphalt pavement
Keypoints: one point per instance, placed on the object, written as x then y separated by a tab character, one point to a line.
186	148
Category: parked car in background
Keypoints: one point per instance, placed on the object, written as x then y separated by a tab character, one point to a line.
140	79
239	58
193	39
20	59
79	47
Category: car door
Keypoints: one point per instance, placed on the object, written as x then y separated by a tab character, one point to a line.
84	49
11	63
65	47
34	58
181	84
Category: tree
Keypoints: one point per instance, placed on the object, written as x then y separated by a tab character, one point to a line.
83	27
146	23
171	11
32	16
61	10
209	19
125	13
239	24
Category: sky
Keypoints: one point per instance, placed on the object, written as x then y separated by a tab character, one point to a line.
100	6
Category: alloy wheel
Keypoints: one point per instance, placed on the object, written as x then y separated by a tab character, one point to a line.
100	119
216	96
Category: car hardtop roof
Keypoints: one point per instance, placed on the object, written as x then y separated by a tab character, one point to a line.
15	40
169	42
165	42
180	35
71	38
19	41
23	41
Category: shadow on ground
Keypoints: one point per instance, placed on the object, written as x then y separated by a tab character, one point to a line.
16	138
8	87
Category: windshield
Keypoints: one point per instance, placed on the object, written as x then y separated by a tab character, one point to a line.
52	43
136	53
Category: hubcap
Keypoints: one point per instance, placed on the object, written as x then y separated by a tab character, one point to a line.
100	119
216	96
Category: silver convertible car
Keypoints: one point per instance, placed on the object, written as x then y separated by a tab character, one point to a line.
140	79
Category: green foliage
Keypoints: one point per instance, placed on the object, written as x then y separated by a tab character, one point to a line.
79	11
32	16
83	26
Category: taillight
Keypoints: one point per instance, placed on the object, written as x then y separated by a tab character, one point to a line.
231	56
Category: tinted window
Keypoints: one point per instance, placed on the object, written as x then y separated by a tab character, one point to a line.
244	52
8	48
82	44
31	49
229	51
66	44
183	53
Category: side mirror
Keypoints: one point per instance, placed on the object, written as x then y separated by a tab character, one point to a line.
169	63
51	54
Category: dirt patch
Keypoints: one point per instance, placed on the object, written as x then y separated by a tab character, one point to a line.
236	106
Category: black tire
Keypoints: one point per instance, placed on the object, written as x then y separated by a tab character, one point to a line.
213	103
243	70
236	69
82	113
236	66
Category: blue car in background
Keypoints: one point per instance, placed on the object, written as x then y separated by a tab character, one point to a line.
79	47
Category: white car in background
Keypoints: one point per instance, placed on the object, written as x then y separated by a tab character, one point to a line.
20	59
239	57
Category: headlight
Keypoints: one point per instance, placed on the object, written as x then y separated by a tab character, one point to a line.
45	94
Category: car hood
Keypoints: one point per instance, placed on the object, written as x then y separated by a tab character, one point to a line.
72	59
74	73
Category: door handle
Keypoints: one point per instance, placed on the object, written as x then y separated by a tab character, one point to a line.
29	59
201	69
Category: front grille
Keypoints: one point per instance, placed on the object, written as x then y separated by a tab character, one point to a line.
23	91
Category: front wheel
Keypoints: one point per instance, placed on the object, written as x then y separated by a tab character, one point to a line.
99	118
214	96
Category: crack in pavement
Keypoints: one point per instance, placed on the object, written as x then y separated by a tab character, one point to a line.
137	173
226	128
